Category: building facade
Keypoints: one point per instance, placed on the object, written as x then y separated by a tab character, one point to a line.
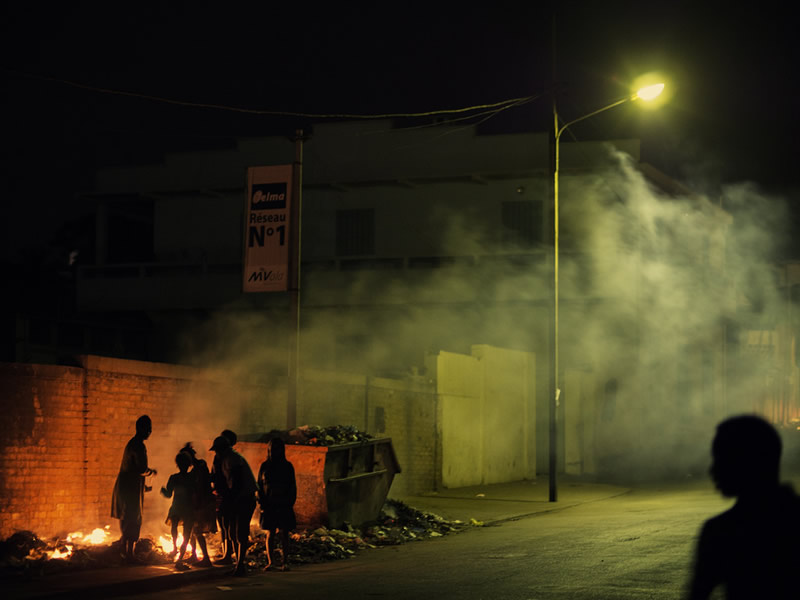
426	240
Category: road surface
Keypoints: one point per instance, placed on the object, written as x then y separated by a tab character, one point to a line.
637	545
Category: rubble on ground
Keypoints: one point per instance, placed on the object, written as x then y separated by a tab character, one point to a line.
25	555
397	524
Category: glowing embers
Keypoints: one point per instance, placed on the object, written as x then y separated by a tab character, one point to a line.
59	553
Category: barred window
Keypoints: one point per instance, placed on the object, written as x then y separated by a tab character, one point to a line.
522	223
355	232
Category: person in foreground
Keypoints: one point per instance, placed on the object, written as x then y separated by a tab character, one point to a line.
751	550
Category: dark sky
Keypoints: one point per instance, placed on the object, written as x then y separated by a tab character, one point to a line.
731	118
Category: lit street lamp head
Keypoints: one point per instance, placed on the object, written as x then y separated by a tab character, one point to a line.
649	92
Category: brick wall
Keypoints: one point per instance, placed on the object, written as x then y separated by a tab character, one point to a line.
66	428
403	410
43	450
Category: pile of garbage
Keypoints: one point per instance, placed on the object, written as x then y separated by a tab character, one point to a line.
314	435
24	554
397	524
402	522
313	546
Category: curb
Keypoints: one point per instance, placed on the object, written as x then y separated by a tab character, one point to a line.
81	586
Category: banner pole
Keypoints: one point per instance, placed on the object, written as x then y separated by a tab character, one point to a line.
294	281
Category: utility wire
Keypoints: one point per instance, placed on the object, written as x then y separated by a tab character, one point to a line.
486	114
503	103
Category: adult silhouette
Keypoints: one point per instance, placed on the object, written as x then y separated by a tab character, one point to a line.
128	495
752	549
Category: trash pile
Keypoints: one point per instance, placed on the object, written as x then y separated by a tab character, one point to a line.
314	435
400	521
397	524
25	555
312	546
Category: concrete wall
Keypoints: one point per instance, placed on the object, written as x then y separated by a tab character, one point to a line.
580	418
488	416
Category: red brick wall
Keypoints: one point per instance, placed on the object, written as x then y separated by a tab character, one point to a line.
66	427
42	450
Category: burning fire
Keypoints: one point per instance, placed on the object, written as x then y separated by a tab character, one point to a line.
59	554
98	536
95	538
167	546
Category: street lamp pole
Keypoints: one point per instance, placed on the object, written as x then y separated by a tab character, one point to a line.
649	92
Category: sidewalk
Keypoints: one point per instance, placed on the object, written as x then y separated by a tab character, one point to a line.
487	504
504	501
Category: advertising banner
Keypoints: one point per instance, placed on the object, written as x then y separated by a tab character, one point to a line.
266	229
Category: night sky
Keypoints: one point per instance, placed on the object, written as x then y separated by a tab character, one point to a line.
731	118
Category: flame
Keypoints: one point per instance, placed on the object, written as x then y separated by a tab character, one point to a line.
59	554
167	546
96	537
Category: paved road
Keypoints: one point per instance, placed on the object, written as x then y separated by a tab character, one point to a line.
637	545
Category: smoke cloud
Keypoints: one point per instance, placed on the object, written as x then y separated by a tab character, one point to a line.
657	289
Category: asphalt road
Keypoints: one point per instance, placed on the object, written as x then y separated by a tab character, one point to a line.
638	545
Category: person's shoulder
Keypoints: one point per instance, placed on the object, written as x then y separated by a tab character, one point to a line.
789	501
719	523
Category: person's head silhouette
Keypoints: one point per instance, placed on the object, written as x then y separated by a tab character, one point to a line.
144	427
746	456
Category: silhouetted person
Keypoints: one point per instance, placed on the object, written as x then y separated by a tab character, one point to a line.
238	497
128	496
753	549
181	488
204	507
223	518
277	492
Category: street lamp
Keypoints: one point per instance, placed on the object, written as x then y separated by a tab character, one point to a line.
646	93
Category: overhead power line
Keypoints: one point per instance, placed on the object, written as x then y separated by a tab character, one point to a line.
280	113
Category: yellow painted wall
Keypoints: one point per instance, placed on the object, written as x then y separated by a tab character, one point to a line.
488	416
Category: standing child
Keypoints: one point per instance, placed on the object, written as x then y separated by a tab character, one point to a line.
181	487
277	492
204	507
222	507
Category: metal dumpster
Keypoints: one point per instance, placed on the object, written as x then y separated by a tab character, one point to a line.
336	484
